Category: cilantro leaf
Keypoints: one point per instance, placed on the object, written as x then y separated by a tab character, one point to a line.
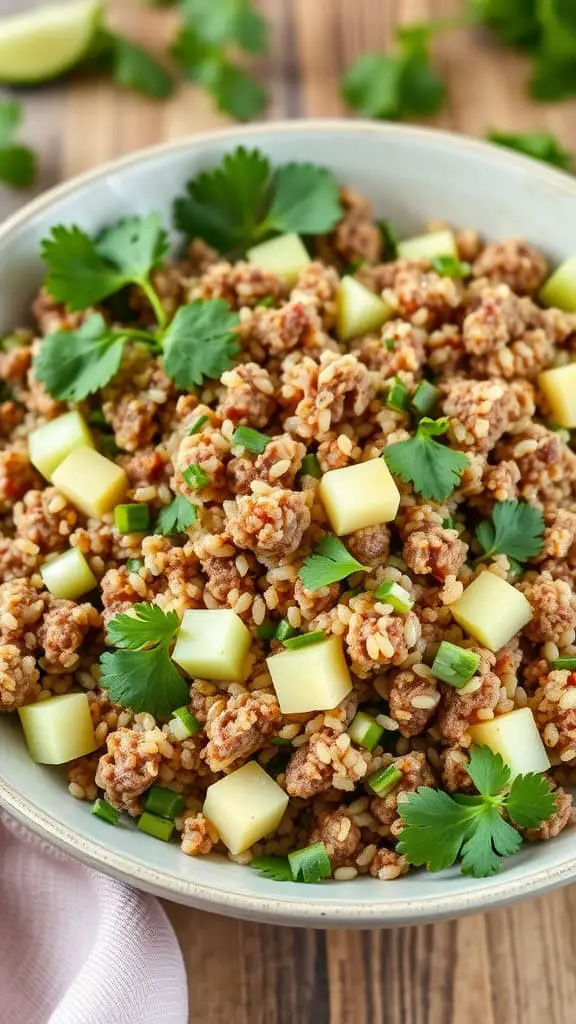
514	22
276	868
440	828
515	529
433	469
235	92
141	675
530	800
134	245
330	563
243	201
74	364
135	68
176	517
17	163
227	21
200	343
538	144
372	85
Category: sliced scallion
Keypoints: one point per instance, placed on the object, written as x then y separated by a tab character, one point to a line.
266	630
365	731
385	780
310	864
134	564
564	663
451	266
184	724
448	523
425	398
304	640
132	518
311	467
197	425
251	439
102	809
152	825
453	665
164	802
398	396
392	593
284	631
195	477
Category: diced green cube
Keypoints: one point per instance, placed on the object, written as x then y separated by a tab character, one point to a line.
285	256
69	575
59	729
51	443
212	644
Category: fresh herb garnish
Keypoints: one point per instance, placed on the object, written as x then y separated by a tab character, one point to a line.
304	640
245	200
17	163
454	665
515	529
433	469
141	675
538	144
450	266
176	517
200	342
195	477
330	563
197	425
276	868
251	439
439	828
75	364
310	864
134	68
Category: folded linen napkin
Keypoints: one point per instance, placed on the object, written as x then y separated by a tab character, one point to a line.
77	947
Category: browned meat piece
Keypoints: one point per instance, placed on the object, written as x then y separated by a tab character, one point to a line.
340	835
327	760
553	606
413	701
249	397
18	677
46	518
374	640
131	766
62	633
480	412
355	237
387	864
371	545
21	608
513	262
241	284
454	775
458	709
563	816
269	524
313	602
416	772
239	726
199	836
17	475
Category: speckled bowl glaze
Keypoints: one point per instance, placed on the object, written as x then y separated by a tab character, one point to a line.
411	175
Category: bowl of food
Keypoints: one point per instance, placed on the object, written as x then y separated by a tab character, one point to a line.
288	522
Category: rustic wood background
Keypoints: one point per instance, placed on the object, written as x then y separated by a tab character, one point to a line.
515	966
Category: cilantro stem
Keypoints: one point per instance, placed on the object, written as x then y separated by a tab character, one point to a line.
154	300
146	336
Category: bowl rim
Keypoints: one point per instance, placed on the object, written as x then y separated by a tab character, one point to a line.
204	896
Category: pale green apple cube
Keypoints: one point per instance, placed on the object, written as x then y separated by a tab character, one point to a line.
516	738
245	806
285	256
491	610
313	678
51	443
359	311
68	576
559	387
428	247
212	644
93	483
59	729
560	288
364	494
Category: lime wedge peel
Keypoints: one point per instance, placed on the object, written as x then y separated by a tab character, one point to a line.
43	43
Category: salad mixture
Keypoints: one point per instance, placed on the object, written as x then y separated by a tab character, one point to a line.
288	530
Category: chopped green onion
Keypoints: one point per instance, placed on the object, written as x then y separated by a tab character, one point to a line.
284	630
184	724
453	665
280	741
266	630
134	564
389	240
102	809
451	266
251	439
398	396
310	864
132	518
164	802
109	446
97	418
195	477
304	640
392	593
197	425
353	592
311	467
278	764
365	731
268	302
385	780
425	398
448	524
569	663
390	344
152	825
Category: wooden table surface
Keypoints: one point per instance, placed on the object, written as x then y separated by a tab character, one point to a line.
514	966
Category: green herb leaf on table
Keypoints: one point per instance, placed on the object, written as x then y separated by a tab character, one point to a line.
227	21
538	144
433	469
243	201
440	828
330	563
515	529
234	91
17	163
75	364
200	343
141	674
135	68
176	517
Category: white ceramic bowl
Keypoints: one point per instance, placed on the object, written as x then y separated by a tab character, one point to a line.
411	175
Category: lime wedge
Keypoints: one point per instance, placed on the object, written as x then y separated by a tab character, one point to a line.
46	41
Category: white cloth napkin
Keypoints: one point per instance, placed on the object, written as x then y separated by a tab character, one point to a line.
77	947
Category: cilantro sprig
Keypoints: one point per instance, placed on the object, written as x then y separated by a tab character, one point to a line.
176	517
515	529
433	469
17	163
540	145
200	342
141	674
245	200
330	563
439	828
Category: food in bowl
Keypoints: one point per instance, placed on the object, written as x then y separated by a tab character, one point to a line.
288	533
